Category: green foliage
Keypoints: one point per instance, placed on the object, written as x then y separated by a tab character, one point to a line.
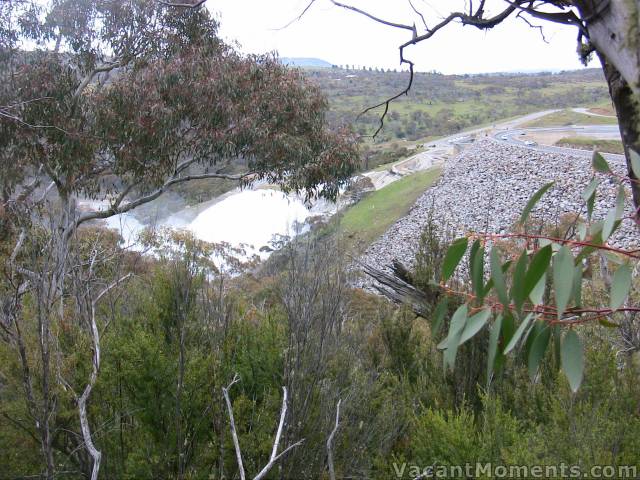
444	437
572	359
453	256
519	286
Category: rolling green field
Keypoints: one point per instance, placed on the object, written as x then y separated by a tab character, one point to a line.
569	117
373	215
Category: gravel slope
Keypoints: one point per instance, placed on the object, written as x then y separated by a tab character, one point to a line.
486	187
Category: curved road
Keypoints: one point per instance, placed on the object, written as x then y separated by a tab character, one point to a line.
508	131
514	137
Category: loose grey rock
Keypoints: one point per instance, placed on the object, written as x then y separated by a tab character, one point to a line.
485	189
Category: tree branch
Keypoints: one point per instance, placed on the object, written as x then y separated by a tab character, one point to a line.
274	456
374	18
475	20
424	22
332	472
273	459
539	27
107	67
182	5
116	208
234	433
95	454
299	17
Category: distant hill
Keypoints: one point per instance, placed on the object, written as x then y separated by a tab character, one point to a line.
440	105
305	62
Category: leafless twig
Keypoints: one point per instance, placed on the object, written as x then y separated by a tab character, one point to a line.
299	17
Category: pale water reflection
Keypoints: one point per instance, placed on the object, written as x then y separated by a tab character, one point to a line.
243	218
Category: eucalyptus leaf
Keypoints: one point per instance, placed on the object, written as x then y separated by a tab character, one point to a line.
563	272
518	334
494	338
497	275
572	359
518	289
452	258
537	268
538	348
599	163
476	263
537	294
474	325
620	286
535	198
456	327
589	195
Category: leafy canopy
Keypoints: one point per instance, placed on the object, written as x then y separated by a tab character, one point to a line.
113	98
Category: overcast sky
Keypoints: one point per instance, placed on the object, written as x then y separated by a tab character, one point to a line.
343	37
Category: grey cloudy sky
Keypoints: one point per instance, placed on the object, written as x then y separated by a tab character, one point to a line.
342	37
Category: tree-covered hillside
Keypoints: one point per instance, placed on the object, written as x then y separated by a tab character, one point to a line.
445	104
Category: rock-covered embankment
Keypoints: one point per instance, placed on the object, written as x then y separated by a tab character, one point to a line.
486	187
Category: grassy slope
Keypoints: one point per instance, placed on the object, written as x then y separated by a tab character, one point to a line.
373	215
586	143
569	117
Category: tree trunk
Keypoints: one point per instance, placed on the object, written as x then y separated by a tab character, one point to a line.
613	29
627	105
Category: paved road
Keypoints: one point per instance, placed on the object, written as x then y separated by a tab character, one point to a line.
508	131
438	151
514	137
586	111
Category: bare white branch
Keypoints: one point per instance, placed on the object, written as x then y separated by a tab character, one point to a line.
273	459
234	433
96	455
332	471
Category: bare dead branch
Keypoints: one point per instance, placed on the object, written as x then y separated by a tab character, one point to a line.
273	459
424	21
234	433
332	472
95	454
388	101
539	27
476	20
18	246
15	118
373	17
299	17
276	442
182	5
566	17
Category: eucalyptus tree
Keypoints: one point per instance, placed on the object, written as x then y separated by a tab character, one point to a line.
119	102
